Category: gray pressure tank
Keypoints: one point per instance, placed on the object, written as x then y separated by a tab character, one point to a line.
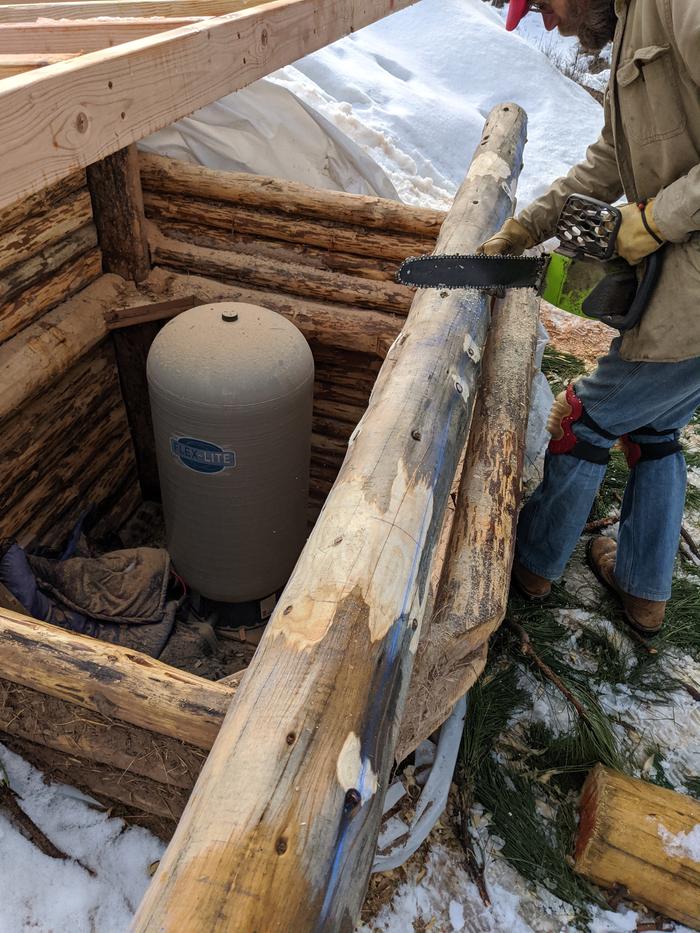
231	389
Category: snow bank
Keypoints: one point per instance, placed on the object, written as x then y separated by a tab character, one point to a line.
46	894
406	99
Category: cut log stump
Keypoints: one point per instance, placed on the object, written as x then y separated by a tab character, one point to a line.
644	838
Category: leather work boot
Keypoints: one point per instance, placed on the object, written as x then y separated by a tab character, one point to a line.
528	584
644	615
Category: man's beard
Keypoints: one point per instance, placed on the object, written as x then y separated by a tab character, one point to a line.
593	22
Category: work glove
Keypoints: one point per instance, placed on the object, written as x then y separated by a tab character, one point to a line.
638	235
511	240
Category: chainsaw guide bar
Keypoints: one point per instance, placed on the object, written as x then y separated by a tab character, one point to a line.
478	272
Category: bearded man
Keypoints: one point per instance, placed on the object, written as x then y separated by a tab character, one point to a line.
646	389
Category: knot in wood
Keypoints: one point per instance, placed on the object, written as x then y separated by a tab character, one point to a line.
416	435
82	122
353	800
281	846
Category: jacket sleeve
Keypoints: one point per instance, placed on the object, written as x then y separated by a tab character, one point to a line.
597	176
677	206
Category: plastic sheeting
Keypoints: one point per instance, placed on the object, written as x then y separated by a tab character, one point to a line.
267	130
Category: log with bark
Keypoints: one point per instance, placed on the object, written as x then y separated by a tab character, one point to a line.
159	173
473	590
316	715
644	839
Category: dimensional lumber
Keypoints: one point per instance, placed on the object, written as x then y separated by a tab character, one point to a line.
336	325
117	206
27	12
293	228
51	127
17	64
112	680
316	715
44	352
380	269
172	176
473	591
78	36
643	838
26	307
294	279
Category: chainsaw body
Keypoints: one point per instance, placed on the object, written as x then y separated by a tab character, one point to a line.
583	275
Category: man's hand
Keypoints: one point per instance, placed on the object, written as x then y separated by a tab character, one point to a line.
635	238
511	240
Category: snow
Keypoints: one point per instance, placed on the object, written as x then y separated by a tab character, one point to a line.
41	893
683	845
407	97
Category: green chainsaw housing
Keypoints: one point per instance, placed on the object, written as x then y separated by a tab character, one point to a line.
569	280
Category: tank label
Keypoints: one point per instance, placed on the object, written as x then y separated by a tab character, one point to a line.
202	456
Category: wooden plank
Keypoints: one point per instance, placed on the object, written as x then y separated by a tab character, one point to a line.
18	64
117	206
473	592
27	12
172	176
316	716
80	36
113	680
51	126
639	836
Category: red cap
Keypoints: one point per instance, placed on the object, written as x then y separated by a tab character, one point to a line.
516	10
519	8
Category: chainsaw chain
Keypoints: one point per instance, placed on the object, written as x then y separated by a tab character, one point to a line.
541	261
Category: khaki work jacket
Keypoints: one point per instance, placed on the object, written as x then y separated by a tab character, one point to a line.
649	147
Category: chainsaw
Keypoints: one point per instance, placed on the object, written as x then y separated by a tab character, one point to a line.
583	275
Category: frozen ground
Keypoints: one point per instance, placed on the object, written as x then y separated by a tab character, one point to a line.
395	109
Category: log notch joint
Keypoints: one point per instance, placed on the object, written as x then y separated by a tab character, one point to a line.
117	205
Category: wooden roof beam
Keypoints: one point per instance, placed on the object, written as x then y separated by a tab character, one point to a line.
79	36
71	114
28	12
18	64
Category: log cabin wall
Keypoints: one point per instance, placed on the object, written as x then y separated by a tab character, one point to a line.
65	437
325	259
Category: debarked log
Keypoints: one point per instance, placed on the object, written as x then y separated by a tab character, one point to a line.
360	241
293	278
341	326
473	590
316	716
331	260
160	173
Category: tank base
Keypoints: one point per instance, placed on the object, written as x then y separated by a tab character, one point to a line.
234	615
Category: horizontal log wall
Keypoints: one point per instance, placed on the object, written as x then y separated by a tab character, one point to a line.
325	259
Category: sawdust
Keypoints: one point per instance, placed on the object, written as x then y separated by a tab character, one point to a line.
581	337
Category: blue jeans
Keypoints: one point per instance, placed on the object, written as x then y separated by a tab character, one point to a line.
621	397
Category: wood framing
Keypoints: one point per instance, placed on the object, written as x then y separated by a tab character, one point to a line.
27	12
51	126
80	36
315	719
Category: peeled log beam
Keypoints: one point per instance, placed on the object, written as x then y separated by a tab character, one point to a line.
331	260
339	326
639	836
30	237
43	352
360	241
114	681
29	305
160	173
41	202
292	278
316	716
473	592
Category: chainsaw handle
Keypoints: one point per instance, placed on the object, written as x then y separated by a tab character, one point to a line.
637	306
